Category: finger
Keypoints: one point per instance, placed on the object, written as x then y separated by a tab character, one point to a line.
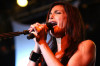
37	23
30	29
33	27
37	28
35	34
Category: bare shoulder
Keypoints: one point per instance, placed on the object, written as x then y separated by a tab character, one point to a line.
87	49
85	54
88	52
87	45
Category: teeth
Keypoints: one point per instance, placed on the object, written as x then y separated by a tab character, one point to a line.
53	23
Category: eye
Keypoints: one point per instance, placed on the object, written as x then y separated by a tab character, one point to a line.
57	12
50	13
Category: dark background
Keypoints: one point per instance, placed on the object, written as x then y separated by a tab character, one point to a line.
36	11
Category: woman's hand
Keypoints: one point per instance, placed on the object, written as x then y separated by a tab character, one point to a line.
40	32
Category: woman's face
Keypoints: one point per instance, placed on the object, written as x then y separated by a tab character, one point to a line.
59	16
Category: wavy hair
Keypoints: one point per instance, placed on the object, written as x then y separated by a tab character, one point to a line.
74	27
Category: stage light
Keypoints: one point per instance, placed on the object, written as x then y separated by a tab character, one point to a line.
22	3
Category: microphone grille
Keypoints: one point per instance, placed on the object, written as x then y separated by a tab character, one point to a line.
51	24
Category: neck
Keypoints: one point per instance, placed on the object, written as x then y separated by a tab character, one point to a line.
62	43
58	44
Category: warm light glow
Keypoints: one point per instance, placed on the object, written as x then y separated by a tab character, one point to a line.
22	3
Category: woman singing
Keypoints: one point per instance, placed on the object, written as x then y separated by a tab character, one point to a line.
67	46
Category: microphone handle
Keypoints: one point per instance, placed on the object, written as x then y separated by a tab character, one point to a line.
30	36
48	24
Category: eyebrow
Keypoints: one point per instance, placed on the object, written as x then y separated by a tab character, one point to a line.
57	10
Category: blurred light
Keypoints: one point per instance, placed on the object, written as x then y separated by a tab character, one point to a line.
22	3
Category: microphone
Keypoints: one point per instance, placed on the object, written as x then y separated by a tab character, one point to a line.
30	36
48	24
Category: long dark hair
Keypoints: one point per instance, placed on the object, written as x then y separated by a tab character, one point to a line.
74	27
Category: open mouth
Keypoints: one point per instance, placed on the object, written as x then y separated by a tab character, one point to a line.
50	25
53	23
